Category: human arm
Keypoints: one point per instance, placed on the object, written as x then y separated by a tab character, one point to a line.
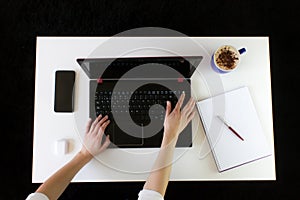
175	122
54	186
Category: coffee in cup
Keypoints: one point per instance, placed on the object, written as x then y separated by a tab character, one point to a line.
226	58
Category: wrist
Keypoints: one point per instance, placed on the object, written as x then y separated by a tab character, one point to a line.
85	156
169	140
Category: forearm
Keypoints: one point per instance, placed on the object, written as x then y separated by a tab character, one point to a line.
57	183
160	175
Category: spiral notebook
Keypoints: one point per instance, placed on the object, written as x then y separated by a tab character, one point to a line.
237	109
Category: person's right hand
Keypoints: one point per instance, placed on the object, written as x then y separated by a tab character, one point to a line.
93	137
178	119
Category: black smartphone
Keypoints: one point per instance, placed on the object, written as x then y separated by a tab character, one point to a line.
64	91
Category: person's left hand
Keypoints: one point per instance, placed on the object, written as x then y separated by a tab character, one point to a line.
93	137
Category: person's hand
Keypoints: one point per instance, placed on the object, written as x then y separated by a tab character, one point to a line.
93	137
178	119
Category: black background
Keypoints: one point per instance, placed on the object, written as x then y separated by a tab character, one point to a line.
23	21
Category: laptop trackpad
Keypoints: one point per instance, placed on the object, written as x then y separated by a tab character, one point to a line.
123	139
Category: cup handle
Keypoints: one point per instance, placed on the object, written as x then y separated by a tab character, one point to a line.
242	50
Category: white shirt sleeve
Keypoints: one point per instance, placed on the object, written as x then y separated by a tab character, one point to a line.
37	196
143	195
149	195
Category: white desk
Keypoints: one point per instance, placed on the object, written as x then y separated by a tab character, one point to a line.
190	164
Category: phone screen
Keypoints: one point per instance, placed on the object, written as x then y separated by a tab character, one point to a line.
64	91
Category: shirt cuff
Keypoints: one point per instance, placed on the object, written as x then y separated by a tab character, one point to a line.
37	196
149	195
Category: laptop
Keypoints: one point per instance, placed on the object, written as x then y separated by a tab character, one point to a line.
133	92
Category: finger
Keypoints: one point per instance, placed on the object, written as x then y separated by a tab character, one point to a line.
191	116
88	125
180	101
190	106
104	125
105	144
187	106
101	129
95	122
103	120
97	128
168	108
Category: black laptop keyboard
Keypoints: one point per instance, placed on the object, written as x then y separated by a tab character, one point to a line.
136	103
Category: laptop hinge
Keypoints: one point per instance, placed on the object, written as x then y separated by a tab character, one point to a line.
99	80
180	80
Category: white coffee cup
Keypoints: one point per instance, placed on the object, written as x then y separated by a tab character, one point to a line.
226	58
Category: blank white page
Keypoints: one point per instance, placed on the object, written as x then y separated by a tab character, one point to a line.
238	110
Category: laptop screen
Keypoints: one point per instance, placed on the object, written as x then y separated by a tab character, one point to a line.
140	67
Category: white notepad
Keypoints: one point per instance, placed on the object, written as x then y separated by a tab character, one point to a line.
238	110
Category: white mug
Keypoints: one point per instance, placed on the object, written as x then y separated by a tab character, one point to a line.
226	58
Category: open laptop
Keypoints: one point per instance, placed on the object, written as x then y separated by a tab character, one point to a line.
133	92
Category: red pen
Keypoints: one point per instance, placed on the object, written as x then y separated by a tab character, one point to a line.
229	127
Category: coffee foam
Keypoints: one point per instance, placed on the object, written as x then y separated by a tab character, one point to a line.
226	57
